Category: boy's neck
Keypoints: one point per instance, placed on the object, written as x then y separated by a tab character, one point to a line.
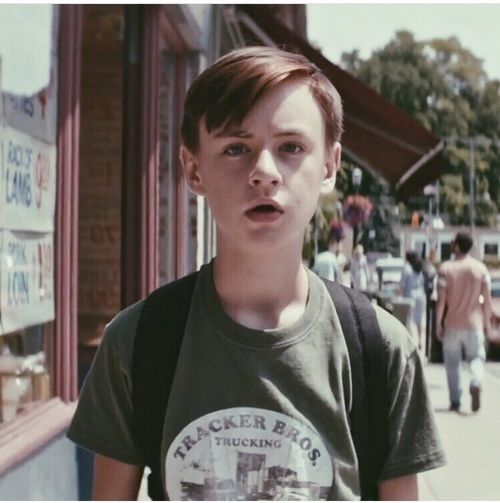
261	292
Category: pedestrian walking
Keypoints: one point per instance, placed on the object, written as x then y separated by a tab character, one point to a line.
325	262
343	264
412	287
463	314
239	381
360	272
430	277
337	234
430	272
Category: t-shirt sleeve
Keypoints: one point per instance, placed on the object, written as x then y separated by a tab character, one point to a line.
414	444
103	419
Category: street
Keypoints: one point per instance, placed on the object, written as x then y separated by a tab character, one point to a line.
471	441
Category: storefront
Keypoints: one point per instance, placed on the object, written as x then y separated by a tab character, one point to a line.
38	146
94	212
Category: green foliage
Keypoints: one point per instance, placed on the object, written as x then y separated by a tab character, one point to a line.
444	86
455	199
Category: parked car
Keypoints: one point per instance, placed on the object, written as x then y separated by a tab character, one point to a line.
493	345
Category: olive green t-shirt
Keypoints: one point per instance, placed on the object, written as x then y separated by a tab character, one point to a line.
258	414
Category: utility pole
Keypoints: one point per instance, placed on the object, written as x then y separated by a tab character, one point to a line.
472	144
357	177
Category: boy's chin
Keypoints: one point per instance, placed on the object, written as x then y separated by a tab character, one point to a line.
265	243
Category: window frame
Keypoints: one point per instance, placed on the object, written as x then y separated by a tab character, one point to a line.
489	238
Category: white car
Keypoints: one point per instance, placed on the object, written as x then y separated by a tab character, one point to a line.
389	271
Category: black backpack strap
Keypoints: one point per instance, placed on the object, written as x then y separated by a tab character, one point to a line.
158	340
369	415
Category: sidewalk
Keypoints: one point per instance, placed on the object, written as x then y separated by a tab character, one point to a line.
471	441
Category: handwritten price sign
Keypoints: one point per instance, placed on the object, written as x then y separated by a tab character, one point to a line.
26	279
27	182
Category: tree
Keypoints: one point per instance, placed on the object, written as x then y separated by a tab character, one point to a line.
444	86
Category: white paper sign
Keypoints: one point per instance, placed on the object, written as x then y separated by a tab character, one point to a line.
30	69
35	115
27	182
26	279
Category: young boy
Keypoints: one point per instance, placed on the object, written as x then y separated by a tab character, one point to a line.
262	387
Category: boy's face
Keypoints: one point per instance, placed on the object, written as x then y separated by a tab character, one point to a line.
262	178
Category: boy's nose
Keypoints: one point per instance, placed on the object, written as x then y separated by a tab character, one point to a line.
265	171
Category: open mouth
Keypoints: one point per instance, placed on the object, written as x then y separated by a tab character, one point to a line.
265	208
264	213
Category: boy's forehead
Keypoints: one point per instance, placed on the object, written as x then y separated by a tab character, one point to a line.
293	97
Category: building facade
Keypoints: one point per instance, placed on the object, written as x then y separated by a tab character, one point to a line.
486	242
94	211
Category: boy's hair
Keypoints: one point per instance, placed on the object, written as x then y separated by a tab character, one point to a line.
224	93
464	242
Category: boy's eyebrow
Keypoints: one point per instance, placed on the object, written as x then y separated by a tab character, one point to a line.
292	132
240	133
231	133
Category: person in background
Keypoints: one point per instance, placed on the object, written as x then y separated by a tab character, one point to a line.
430	272
343	264
337	234
461	285
430	283
325	263
412	287
360	273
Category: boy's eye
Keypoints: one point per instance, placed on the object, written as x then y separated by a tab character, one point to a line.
291	148
234	150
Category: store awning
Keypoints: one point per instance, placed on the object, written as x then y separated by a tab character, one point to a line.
378	136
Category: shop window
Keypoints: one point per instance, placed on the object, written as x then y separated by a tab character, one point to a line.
28	163
181	213
24	376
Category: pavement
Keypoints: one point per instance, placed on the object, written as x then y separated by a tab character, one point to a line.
471	440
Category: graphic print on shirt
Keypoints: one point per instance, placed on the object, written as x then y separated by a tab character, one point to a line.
248	453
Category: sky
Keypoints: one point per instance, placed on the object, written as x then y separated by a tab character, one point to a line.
338	28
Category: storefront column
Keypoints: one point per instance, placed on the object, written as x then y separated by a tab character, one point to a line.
141	153
66	245
150	148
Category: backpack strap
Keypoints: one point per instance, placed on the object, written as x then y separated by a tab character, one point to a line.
369	415
158	341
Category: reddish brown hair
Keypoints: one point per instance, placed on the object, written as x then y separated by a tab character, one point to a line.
225	92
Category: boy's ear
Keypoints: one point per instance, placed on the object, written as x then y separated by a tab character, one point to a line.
332	164
191	171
